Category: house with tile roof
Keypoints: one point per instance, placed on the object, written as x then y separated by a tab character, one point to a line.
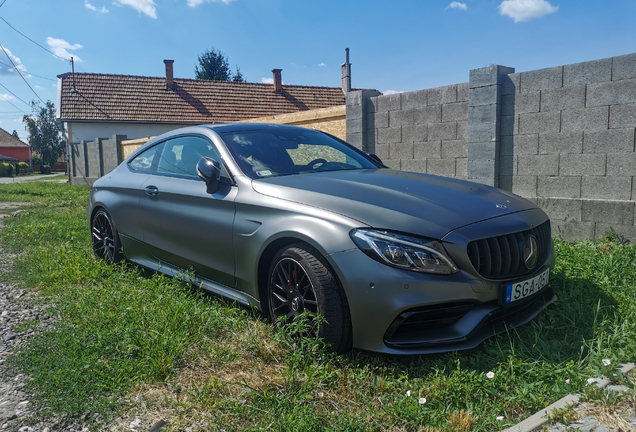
13	148
102	105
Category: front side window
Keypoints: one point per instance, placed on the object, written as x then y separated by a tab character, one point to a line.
181	155
275	152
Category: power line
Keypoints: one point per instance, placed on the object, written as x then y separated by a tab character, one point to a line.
20	73
2	3
15	95
23	35
32	74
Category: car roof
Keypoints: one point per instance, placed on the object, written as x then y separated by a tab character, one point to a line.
240	127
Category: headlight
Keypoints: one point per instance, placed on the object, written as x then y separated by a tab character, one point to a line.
404	252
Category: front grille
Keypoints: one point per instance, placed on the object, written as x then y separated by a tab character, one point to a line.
502	257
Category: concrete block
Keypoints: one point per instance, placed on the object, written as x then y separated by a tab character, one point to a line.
609	141
378	120
546	165
372	104
563	209
430	114
389	135
382	151
462	130
354	98
388	103
442	131
624	67
478	151
606	188
449	94
481	168
355	112
526	144
482	114
486	95
528	102
507	107
572	97
525	186
401	151
627	231
541	79
510	84
488	75
420	132
587	119
413	165
427	150
355	139
633	188
393	164
582	164
414	99
454	112
622	116
408	134
587	72
454	149
462	92
482	132
561	142
559	187
609	212
507	146
504	182
575	231
539	122
461	168
434	96
507	166
354	125
509	125
441	167
400	118
611	93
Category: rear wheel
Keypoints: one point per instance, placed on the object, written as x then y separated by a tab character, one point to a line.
106	243
300	281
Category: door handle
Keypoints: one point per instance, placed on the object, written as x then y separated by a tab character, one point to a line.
151	190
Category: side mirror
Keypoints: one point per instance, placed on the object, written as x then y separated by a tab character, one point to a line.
210	172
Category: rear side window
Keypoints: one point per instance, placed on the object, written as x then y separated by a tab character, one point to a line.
148	160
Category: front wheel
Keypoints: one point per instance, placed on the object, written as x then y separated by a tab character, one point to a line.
300	280
106	243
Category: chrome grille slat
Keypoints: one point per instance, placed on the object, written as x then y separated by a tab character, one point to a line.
501	257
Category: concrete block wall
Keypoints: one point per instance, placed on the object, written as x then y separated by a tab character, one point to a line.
423	131
570	144
92	159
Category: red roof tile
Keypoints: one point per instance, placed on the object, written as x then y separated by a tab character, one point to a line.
145	99
8	140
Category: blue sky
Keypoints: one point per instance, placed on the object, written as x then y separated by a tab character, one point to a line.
398	45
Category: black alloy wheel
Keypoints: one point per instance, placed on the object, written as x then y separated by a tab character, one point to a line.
300	281
106	244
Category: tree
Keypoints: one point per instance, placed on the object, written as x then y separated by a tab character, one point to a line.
44	134
214	65
15	134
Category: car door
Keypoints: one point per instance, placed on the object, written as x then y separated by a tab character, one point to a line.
182	224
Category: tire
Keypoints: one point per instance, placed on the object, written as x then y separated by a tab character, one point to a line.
106	243
300	280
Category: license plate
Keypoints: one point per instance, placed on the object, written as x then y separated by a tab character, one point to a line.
520	290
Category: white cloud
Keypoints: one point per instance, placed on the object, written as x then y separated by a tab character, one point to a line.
101	10
60	47
322	64
9	70
457	5
7	97
195	3
525	10
147	7
267	80
390	92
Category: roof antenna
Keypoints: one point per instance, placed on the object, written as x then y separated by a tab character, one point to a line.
73	69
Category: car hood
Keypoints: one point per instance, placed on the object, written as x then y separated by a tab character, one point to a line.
395	200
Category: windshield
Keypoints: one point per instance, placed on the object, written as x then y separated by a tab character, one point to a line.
277	152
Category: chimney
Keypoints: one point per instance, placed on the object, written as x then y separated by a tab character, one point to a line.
346	74
169	74
278	80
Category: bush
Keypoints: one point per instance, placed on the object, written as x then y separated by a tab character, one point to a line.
36	160
45	169
6	169
22	168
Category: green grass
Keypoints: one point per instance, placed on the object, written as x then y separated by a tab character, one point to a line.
123	332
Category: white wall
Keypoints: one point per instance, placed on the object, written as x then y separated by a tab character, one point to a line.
90	131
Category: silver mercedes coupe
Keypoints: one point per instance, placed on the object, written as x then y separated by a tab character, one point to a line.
290	220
